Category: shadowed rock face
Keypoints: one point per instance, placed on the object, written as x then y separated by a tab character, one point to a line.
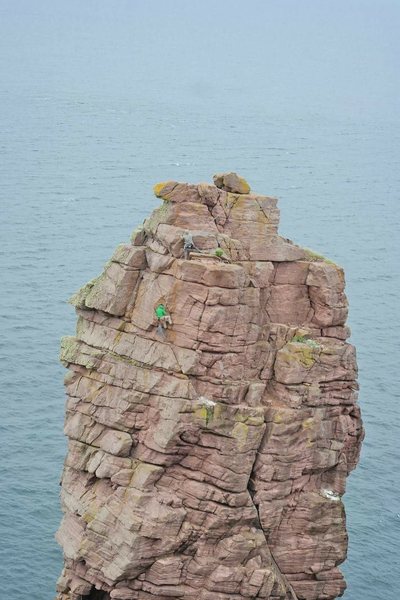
209	461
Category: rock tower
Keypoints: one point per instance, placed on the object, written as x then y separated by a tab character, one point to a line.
207	459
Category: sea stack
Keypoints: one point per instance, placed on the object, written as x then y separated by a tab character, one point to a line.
209	439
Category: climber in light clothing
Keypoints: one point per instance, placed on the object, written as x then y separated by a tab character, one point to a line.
188	245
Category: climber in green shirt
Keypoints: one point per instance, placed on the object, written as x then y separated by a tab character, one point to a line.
162	316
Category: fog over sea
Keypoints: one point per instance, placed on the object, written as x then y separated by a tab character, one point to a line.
101	99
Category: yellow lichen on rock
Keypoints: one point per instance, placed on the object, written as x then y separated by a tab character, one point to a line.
240	433
158	188
244	185
302	353
201	413
231	182
307	423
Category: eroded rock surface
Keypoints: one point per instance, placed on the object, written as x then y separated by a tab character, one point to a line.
209	462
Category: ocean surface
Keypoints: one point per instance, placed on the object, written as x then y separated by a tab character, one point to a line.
98	101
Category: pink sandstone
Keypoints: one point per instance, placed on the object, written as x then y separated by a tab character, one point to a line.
209	463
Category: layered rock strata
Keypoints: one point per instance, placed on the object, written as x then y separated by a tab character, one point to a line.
208	460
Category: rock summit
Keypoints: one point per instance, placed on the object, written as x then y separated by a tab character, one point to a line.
209	439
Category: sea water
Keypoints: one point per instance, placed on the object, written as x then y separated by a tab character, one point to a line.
99	100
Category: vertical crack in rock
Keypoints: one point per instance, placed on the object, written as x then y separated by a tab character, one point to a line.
208	459
288	587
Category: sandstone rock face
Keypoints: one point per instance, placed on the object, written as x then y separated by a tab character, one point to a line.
208	460
231	182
